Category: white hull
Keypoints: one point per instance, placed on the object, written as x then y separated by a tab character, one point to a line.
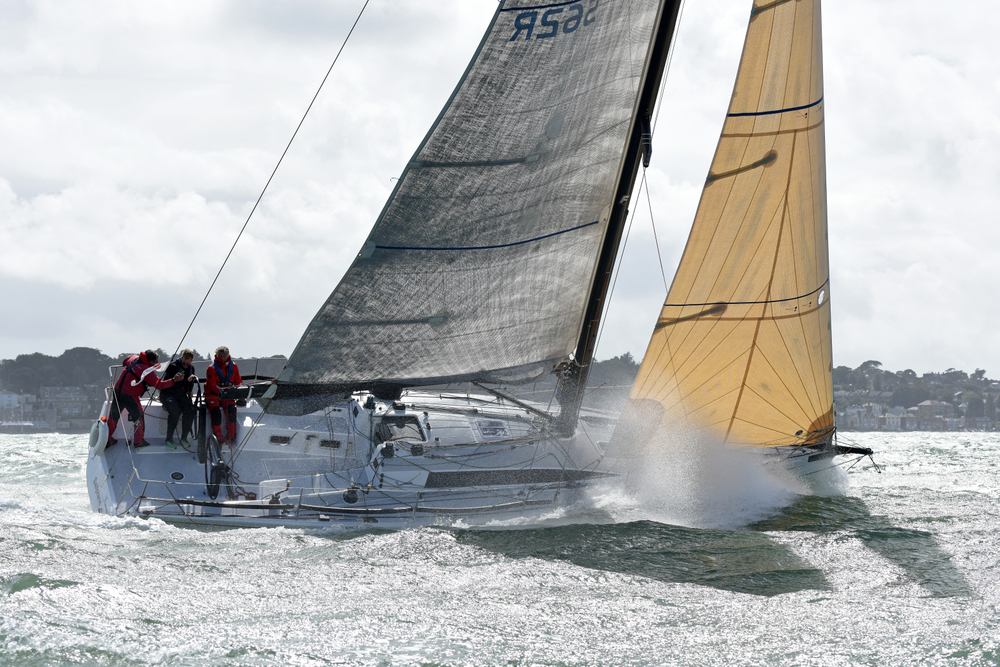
455	459
448	458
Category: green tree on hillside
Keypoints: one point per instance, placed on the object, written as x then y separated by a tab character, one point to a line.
73	368
616	371
869	367
842	377
954	376
910	395
977	407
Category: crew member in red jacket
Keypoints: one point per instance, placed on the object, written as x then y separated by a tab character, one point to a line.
138	375
222	373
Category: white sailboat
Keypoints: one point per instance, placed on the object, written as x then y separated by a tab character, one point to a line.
490	264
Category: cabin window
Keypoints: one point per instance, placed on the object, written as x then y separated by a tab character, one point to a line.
401	428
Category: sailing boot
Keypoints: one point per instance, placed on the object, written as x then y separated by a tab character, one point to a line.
139	439
231	433
217	430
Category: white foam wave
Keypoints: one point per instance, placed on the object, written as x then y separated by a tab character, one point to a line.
700	483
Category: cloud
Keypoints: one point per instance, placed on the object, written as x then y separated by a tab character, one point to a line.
137	138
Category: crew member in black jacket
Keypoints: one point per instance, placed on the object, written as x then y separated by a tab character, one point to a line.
177	399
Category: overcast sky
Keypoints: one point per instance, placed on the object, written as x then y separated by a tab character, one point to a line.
135	137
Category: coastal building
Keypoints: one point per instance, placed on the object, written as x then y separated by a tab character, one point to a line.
70	408
8	400
893	419
930	408
976	423
861	417
16	407
64	402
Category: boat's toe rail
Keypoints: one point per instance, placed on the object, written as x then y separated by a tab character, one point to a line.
364	505
238	504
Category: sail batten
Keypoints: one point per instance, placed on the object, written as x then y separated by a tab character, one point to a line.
743	303
742	346
490	247
773	111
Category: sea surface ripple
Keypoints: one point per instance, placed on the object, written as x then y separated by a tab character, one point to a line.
903	568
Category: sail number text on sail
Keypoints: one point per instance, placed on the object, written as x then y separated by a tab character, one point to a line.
568	15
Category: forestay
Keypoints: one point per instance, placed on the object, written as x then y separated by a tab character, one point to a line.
479	266
742	346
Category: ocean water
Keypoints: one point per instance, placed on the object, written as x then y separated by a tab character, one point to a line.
716	564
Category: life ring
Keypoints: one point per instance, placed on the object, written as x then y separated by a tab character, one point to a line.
98	437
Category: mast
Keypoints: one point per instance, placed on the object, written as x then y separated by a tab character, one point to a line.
574	378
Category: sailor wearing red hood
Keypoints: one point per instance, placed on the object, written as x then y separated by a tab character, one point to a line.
222	373
139	374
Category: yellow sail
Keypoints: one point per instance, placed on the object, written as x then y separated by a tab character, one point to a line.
742	346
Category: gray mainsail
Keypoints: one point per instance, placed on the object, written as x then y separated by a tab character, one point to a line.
481	264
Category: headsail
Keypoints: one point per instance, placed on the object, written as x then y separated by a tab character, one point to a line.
742	346
480	264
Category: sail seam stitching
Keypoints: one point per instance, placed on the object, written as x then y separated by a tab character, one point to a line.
795	398
729	195
696	388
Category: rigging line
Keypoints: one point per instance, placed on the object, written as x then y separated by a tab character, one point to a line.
270	178
642	184
666	73
656	240
621	258
666	69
